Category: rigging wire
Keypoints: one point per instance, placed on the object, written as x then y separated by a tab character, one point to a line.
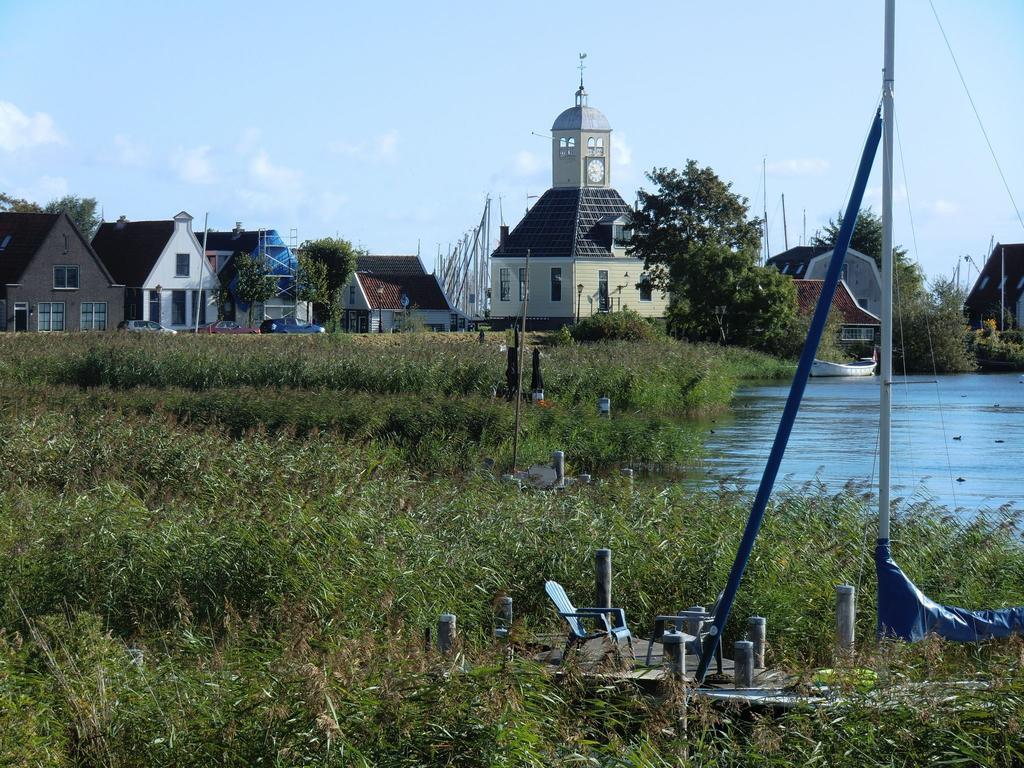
977	115
927	322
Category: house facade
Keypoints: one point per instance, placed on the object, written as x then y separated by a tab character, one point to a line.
857	324
392	293
167	277
999	290
222	248
576	237
51	279
860	273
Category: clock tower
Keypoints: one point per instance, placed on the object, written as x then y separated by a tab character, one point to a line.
581	146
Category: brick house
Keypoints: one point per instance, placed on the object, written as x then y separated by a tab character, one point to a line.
51	279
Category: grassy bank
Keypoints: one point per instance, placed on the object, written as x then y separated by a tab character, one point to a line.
277	586
668	376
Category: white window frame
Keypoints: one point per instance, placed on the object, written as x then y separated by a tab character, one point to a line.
92	325
67	268
858	333
49	316
177	265
522	284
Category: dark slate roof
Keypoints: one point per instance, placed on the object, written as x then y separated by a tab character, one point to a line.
390	265
983	300
246	241
27	232
423	291
581	118
129	250
809	291
564	222
794	261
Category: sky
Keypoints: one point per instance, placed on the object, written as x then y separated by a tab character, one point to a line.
389	123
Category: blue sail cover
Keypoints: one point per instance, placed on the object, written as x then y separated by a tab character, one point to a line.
905	612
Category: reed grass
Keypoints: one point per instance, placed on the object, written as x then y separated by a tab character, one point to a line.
199	574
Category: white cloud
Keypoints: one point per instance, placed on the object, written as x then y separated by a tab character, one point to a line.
527	163
21	131
383	147
798	166
45	188
193	165
129	150
944	207
623	152
273	188
386	145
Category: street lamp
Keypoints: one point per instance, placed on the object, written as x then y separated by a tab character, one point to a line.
380	309
579	295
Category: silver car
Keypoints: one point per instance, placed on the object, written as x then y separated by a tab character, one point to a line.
144	326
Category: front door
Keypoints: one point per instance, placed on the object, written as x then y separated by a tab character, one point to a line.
21	316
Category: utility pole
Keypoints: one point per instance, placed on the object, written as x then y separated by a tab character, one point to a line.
522	345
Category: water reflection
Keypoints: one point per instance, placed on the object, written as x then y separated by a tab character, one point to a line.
957	440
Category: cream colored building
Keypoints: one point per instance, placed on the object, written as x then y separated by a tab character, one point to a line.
575	236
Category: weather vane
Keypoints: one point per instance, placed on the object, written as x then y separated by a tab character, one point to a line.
582	66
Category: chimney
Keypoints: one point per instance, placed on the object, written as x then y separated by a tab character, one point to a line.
121	221
504	237
237	231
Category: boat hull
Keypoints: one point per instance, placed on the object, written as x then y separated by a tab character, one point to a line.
823	368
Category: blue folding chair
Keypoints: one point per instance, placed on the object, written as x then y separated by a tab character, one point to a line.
610	623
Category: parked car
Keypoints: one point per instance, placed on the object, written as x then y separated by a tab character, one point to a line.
289	325
144	326
226	326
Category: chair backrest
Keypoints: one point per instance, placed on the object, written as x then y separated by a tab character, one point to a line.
564	605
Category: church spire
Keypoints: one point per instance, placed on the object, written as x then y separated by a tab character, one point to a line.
581	94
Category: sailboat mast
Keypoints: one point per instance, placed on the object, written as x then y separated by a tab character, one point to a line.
885	396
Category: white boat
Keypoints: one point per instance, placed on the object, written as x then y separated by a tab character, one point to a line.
822	368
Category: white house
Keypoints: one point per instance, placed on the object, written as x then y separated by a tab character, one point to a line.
162	265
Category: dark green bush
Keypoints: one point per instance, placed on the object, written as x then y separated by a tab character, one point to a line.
616	326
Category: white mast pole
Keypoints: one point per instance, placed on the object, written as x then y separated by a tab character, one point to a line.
885	397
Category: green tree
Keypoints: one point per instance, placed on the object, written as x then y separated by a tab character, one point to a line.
82	211
311	280
867	238
339	259
698	242
932	335
255	281
10	204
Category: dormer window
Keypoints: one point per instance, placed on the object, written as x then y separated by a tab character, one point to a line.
621	235
595	147
567	146
4	242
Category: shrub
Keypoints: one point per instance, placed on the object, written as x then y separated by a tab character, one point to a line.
615	326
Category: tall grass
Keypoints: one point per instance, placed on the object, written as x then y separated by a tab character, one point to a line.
670	376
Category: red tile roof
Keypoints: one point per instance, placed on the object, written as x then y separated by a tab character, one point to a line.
809	291
423	291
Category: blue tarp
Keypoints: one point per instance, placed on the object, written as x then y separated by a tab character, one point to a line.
905	612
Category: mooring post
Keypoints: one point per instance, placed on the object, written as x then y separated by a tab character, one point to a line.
584	478
845	617
693	626
558	462
674	653
627	472
603	578
756	631
604	407
446	633
743	664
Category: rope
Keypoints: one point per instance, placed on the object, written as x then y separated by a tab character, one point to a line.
927	322
977	115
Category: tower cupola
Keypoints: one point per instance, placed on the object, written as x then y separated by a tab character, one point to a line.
581	144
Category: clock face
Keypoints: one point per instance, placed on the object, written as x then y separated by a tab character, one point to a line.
595	170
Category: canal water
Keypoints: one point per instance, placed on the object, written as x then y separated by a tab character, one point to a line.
968	426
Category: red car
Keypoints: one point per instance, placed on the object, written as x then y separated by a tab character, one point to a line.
226	326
